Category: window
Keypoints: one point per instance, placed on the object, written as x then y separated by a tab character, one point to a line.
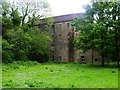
54	30
52	35
53	26
96	59
68	36
52	44
60	25
82	56
60	58
60	46
60	34
68	33
53	51
68	24
52	57
73	29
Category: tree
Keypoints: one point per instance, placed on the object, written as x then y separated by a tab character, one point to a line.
98	29
21	37
116	27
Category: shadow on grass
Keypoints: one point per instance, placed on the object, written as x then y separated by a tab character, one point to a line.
90	65
61	89
85	65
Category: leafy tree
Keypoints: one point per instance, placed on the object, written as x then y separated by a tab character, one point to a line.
98	29
22	39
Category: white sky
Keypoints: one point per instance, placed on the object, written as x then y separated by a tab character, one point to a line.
62	7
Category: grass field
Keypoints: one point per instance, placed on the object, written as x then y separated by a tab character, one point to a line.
70	75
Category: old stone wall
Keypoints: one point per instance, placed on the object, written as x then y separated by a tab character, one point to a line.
62	48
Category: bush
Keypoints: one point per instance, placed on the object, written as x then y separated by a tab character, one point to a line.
7	54
25	63
21	39
39	47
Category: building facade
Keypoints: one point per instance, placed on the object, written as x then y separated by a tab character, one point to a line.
62	47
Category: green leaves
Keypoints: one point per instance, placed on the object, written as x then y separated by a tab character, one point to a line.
16	18
7	54
99	28
23	40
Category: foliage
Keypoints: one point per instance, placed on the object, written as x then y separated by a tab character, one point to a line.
6	52
22	38
0	44
70	75
99	30
39	50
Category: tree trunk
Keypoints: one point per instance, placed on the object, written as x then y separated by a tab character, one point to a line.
102	47
117	48
116	10
102	40
103	59
92	57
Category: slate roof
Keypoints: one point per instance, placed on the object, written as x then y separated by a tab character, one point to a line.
68	17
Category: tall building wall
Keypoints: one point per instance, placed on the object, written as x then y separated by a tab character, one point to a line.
62	29
63	35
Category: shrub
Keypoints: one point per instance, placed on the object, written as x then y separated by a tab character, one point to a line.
7	54
22	40
39	47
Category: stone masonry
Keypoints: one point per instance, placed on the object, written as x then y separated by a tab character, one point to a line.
63	34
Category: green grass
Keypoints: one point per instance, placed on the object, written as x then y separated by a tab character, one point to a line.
70	75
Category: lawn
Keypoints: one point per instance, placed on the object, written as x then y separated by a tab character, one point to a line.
53	75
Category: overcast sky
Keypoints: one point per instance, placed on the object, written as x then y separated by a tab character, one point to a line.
62	7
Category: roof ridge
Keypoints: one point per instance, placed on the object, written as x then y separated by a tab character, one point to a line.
67	17
67	14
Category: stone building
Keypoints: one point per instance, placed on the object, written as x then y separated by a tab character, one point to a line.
63	34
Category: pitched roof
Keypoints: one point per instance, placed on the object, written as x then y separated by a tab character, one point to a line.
68	17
